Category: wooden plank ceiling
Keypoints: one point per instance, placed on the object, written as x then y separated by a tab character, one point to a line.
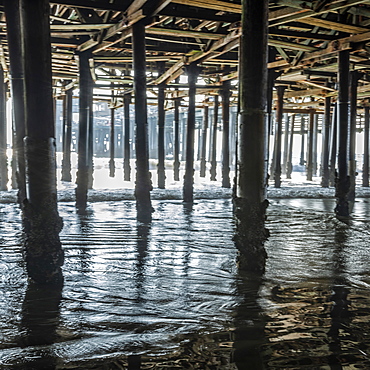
304	38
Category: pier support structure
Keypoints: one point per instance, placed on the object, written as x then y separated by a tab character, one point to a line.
203	159
66	162
126	145
3	135
143	183
365	168
42	224
176	141
310	146
161	129
325	144
226	93
250	201
188	189
16	64
278	133
213	170
342	184
83	131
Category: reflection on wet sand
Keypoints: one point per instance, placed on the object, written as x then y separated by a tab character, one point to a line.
168	295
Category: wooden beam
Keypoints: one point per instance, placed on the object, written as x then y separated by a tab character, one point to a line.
333	25
214	5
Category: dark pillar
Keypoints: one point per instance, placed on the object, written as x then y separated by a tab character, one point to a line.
43	251
301	158
314	144
309	165
66	163
325	144
289	165
161	126
90	137
250	201
213	169
3	156
354	77
143	184
342	181
225	134
126	160
333	146
16	62
365	168
112	136
204	140
83	125
176	163
286	142
193	72
279	128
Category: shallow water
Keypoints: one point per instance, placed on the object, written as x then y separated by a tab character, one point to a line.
168	295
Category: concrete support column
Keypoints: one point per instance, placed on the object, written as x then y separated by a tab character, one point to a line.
365	168
343	180
42	224
143	184
204	139
193	72
250	201
66	163
279	129
289	165
83	130
16	63
213	169
301	157
225	134
161	129
333	146
325	144
310	142
3	134
126	154
354	77
176	163
112	137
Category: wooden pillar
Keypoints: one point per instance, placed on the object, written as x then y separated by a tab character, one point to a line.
279	128
66	163
325	144
343	181
161	129
143	184
354	77
176	163
43	251
126	154
204	139
193	72
333	146
225	134
365	168
213	169
250	202
3	135
84	118
309	164
301	158
289	165
16	63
